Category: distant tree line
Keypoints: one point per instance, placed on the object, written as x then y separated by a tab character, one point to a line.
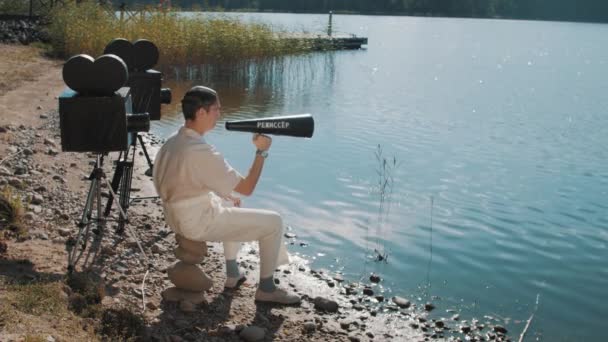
570	10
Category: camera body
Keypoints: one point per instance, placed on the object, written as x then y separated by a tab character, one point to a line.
96	109
94	123
147	92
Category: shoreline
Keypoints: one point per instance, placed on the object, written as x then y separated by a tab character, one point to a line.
55	186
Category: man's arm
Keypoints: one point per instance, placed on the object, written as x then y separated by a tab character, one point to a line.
248	184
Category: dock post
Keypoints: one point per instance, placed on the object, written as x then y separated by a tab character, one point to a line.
329	24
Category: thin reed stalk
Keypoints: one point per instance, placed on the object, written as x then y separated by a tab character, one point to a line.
385	171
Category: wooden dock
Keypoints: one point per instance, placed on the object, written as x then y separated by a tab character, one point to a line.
327	42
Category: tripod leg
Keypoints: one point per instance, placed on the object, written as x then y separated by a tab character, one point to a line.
116	179
125	193
100	226
143	147
74	249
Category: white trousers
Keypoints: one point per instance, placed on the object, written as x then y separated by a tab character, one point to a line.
235	225
206	218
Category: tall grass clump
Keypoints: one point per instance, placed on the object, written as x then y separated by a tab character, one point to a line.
182	39
11	214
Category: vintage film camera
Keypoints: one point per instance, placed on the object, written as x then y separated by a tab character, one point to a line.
96	115
145	83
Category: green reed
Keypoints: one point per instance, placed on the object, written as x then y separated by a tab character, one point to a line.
182	40
385	170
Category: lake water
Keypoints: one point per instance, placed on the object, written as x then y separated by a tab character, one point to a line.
500	131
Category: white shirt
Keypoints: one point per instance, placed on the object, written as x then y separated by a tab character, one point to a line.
191	177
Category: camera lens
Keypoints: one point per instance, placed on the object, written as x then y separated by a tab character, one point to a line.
165	95
138	122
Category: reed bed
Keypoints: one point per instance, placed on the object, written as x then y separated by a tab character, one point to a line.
182	39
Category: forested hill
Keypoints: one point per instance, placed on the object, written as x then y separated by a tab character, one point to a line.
569	10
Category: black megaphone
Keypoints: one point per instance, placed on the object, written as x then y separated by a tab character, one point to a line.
300	125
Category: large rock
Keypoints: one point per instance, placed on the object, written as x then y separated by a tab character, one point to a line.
173	294
189	277
189	251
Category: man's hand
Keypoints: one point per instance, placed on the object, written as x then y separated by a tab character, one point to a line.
236	201
262	142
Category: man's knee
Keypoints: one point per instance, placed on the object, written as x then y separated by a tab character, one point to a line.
276	223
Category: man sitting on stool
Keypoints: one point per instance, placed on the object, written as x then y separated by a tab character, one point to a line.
193	179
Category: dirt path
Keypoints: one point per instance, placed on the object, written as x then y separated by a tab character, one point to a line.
29	84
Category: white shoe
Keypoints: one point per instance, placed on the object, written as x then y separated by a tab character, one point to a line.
279	296
234	282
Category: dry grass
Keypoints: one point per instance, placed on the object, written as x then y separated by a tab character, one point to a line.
11	213
39	298
182	40
33	311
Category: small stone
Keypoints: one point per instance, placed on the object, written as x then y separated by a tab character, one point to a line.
429	307
290	235
29	216
465	329
60	179
64	232
358	307
157	248
52	152
374	278
456	317
44	116
151	306
401	302
27	152
252	333
338	278
50	339
20	170
500	329
324	304
353	337
49	142
309	327
39	107
37	199
368	291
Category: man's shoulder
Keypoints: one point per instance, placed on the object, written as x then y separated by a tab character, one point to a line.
186	143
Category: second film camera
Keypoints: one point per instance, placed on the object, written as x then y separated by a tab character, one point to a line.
145	83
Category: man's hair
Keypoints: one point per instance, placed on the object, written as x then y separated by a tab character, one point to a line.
195	98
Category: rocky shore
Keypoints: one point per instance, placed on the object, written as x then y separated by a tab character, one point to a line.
130	296
22	30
